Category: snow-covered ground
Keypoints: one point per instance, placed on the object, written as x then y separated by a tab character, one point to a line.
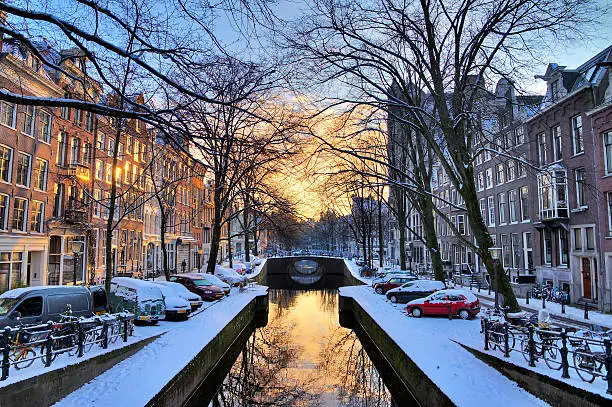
137	379
428	342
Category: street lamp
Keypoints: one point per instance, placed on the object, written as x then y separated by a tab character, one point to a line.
77	247
410	245
496	256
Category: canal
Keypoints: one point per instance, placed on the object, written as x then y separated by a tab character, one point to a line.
303	357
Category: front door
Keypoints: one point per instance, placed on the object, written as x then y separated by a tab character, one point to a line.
586	278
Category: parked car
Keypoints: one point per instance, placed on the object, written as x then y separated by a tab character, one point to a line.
359	262
457	302
230	276
248	267
36	305
142	298
198	285
99	299
239	268
392	282
177	308
194	300
413	290
386	277
256	261
367	271
214	280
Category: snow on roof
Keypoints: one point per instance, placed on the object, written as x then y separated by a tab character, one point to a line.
17	292
470	296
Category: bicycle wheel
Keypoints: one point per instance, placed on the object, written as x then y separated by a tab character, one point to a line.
90	339
585	364
552	355
114	333
22	357
524	347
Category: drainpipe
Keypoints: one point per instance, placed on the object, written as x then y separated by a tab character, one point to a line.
601	295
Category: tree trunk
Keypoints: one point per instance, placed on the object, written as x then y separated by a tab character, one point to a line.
431	238
255	243
111	210
215	239
381	249
229	247
164	222
245	227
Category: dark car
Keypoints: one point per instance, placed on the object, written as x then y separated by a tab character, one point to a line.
198	285
413	290
392	282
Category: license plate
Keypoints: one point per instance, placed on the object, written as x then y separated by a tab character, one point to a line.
182	311
144	318
195	304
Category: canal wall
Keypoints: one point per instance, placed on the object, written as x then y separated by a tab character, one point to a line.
197	382
408	384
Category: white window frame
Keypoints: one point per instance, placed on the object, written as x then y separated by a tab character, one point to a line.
4	226
42	217
557	148
28	172
491	206
607	151
502	203
577	140
581	201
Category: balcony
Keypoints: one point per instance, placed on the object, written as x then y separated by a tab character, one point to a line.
75	216
552	194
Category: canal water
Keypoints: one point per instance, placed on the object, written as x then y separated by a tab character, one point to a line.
303	357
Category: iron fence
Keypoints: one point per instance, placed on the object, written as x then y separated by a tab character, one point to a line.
21	346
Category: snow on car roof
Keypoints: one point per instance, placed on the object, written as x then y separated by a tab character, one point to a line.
17	292
468	295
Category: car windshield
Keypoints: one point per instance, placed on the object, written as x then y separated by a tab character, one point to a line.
6	304
201	283
407	285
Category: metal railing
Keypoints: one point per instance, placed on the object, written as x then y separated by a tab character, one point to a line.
588	354
21	346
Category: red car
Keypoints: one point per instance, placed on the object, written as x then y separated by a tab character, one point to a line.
392	282
199	286
458	302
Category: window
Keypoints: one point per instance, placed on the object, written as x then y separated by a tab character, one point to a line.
590	238
524	197
98	204
8	114
512	206
607	142
506	251
62	148
481	181
75	152
581	200
511	172
87	154
499	178
521	166
489	178
45	126
101	141
515	241
501	201
483	209
130	145
58	200
554	90
542	149
547	243
577	144
128	174
29	120
111	146
78	117
99	170
20	211
39	172
609	196
136	150
6	163
577	239
109	175
491	204
37	215
65	110
519	136
557	150
563	248
461	224
121	152
89	121
4	208
23	169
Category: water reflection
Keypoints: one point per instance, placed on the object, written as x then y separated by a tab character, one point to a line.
303	358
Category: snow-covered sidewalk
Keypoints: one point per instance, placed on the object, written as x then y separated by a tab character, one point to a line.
137	379
466	380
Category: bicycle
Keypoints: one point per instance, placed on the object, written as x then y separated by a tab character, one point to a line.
589	363
546	347
497	319
22	355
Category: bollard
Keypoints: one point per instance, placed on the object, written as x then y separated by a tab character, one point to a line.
564	353
489	289
531	348
486	334
527	298
608	363
506	350
563	305
125	330
49	345
586	310
80	339
105	335
6	348
543	301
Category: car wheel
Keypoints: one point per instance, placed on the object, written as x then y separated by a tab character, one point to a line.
464	314
379	290
416	312
393	299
